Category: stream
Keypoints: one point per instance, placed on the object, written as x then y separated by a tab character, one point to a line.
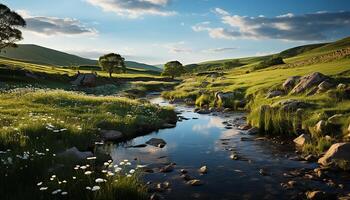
204	140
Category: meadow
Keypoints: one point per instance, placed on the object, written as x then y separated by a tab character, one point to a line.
41	118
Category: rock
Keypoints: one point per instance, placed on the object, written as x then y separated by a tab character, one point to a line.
274	93
186	177
195	182
156	142
310	158
302	140
203	111
292	104
335	119
324	86
226	110
245	127
203	170
317	195
183	171
31	75
246	139
163	186
337	152
253	131
234	157
155	196
306	82
290	82
289	185
341	86
312	91
111	135
88	80
167	125
74	153
167	169
321	127
138	146
263	172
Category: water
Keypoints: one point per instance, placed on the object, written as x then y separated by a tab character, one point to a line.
197	142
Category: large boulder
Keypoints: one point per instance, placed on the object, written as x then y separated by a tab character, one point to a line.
302	140
290	82
337	152
274	93
156	142
111	135
308	81
75	154
87	80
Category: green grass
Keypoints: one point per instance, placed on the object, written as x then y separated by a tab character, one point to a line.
25	114
41	55
255	83
40	123
52	69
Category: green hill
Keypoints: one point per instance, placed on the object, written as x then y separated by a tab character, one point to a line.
41	55
300	53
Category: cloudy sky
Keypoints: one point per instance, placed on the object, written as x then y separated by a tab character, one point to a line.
156	31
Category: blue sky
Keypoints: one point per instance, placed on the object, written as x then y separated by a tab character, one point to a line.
156	31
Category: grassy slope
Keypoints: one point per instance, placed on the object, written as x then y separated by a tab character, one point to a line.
256	83
132	73
42	55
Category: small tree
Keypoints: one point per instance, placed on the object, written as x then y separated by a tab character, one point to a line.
173	69
112	63
9	22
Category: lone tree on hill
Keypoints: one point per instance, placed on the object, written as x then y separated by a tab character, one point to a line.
9	23
112	63
173	69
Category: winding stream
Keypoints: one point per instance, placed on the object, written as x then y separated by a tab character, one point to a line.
204	140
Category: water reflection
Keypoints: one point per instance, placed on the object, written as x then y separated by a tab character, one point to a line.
198	142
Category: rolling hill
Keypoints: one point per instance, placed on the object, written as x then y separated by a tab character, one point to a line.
290	55
42	55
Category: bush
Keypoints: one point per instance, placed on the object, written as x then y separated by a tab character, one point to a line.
269	62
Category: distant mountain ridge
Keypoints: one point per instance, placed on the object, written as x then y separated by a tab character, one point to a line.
43	55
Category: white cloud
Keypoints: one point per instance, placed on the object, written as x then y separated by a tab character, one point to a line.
175	47
49	26
134	8
220	50
221	11
314	26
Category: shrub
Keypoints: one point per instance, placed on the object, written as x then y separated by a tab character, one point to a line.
269	62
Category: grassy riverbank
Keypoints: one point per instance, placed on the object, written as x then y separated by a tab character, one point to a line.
251	83
36	125
42	115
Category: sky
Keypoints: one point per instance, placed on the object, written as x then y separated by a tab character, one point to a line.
190	31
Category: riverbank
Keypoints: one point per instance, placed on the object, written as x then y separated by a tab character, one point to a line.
46	133
237	164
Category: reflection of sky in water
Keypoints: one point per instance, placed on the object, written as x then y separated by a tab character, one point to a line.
196	142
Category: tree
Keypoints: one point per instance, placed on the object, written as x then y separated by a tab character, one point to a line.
9	23
173	69
112	63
